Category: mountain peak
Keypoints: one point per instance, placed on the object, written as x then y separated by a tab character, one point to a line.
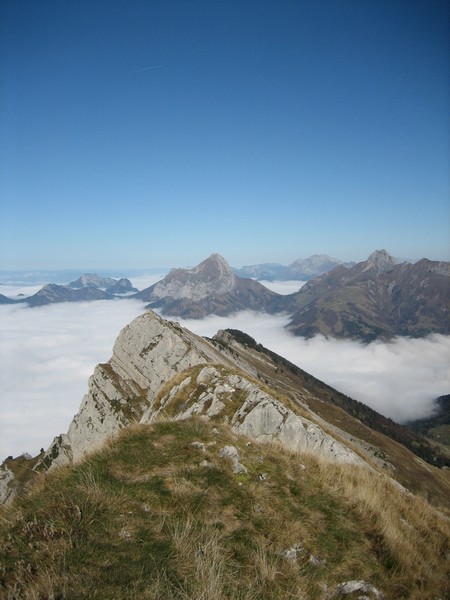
381	261
215	263
212	276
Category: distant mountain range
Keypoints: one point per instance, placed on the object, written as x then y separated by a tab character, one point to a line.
88	287
376	298
302	269
110	285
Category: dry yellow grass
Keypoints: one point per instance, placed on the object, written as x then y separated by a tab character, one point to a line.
144	519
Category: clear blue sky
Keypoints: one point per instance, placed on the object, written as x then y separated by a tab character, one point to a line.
137	134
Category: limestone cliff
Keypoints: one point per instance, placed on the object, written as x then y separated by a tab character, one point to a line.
147	353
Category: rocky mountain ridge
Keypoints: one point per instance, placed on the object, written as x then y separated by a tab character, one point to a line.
87	288
148	354
376	298
159	368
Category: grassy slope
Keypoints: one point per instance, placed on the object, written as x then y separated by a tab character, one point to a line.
147	518
392	440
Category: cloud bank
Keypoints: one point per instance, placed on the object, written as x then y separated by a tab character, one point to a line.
48	353
399	379
46	357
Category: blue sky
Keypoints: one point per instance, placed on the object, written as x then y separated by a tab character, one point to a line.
137	134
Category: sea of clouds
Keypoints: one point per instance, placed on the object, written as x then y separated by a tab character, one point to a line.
48	353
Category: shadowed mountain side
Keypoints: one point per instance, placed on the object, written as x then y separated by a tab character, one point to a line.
375	299
53	294
437	426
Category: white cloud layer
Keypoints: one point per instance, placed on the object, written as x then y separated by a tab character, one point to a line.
283	287
47	355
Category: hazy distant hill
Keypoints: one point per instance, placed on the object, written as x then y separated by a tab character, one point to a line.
53	294
86	288
209	288
110	285
6	300
299	270
376	298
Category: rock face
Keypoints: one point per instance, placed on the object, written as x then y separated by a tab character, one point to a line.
377	298
209	288
6	489
251	412
212	276
148	353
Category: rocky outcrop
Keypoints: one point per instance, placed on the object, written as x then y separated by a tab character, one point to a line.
231	453
6	479
148	353
212	276
216	393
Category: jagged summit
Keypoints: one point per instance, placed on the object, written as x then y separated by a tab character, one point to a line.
212	276
381	261
209	288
